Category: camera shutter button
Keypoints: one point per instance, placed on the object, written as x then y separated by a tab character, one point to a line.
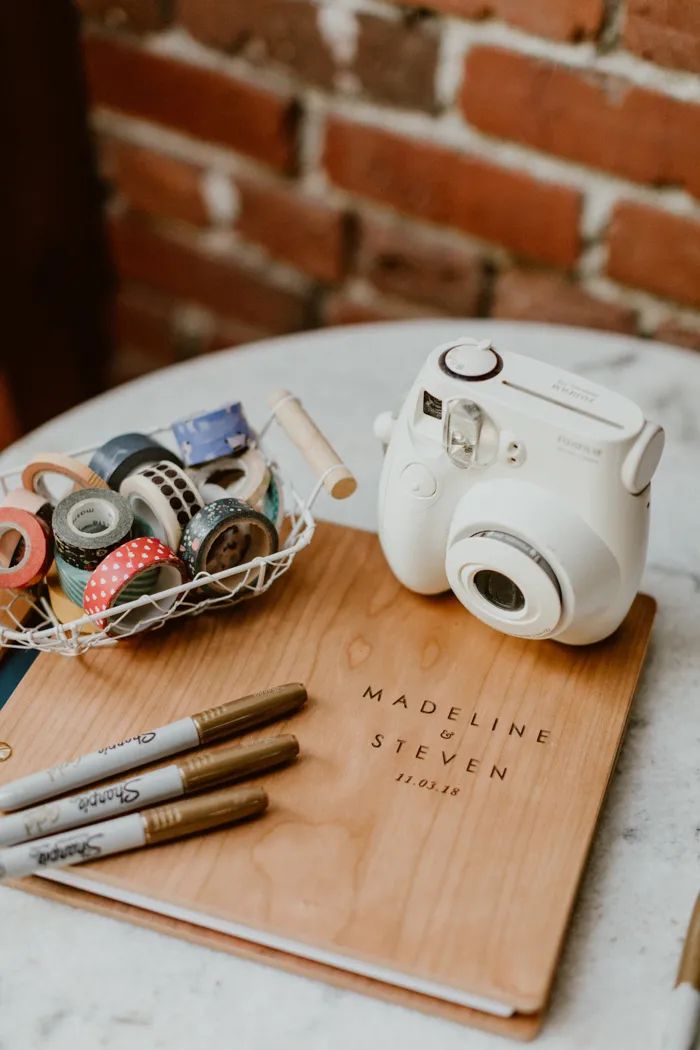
418	480
643	458
472	360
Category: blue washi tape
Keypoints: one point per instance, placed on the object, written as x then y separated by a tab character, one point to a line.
125	454
211	435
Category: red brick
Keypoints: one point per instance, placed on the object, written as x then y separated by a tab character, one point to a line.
154	323
529	295
679	335
534	218
343	308
655	250
394	61
665	31
307	233
157	184
295	228
401	260
557	19
281	31
592	118
201	102
186	272
140	16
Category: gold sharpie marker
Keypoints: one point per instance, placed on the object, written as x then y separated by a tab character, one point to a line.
217	723
199	772
161	824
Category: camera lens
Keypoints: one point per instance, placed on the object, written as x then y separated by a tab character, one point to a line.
499	590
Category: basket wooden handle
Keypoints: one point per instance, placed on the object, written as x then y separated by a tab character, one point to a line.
314	447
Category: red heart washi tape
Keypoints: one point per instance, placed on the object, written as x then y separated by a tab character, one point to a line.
127	563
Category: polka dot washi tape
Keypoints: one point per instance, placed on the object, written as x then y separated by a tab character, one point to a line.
106	587
164	498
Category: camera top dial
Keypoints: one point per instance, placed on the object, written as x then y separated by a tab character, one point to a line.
472	360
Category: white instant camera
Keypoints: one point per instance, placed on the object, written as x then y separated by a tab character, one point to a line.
523	488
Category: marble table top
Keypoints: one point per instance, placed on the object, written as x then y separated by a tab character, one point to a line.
71	979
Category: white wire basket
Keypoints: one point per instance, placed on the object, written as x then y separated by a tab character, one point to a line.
28	620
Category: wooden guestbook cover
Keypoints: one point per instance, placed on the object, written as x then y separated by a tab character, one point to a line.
438	822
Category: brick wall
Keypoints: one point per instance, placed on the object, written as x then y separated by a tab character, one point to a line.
280	164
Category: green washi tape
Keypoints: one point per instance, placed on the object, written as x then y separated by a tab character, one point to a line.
74	581
271	505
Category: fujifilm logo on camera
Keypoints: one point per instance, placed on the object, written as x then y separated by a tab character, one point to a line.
576	393
571	445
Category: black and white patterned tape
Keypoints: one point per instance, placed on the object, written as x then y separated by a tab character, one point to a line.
164	497
224	535
88	524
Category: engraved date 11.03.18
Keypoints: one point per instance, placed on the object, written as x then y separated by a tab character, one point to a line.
429	785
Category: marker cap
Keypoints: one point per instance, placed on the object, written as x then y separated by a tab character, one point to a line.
207	769
239	715
181	818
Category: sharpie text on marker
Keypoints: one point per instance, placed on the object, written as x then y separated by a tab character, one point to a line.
199	772
172	821
217	723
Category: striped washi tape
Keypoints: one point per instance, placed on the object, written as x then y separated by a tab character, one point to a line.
75	580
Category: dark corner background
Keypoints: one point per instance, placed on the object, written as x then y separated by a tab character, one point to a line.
58	281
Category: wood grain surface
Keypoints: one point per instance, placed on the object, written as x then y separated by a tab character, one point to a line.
439	819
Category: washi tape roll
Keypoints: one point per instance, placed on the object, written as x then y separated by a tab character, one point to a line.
64	608
34	474
125	454
89	523
164	497
32	552
126	565
223	535
244	477
212	435
74	582
272	504
23	499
